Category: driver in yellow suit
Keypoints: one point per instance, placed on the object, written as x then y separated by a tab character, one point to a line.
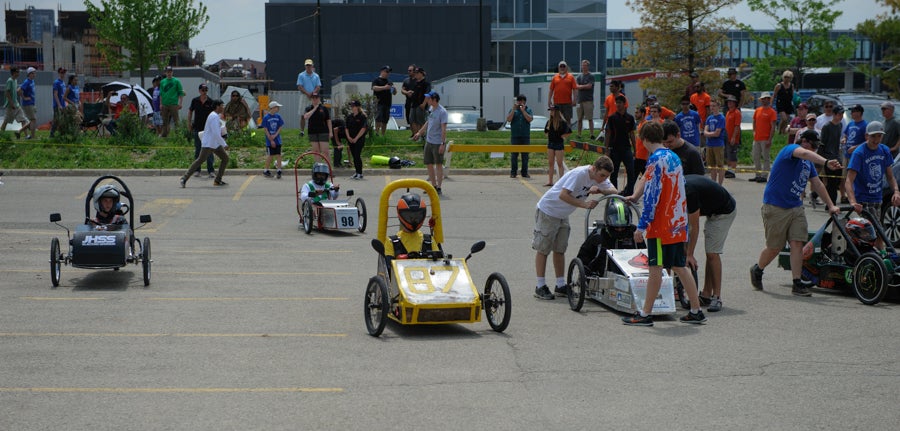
411	211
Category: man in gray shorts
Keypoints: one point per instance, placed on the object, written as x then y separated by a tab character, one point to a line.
707	198
435	129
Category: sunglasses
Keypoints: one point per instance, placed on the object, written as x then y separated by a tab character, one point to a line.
563	67
829	106
811	119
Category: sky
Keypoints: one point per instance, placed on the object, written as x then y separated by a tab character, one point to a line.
236	28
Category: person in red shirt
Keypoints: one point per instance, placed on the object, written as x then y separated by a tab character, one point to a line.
609	104
733	135
562	91
763	131
116	109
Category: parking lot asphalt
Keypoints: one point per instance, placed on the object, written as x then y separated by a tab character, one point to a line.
250	323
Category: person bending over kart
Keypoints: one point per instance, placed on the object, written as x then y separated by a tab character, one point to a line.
616	232
106	203
409	241
319	189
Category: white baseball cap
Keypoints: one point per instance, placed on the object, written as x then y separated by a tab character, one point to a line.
273	104
30	70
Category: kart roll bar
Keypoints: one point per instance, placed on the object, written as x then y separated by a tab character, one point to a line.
124	192
437	232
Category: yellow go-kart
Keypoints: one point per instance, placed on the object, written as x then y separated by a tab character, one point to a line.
429	287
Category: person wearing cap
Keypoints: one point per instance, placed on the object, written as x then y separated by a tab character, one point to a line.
692	86
798	122
155	104
435	129
11	103
732	134
733	87
26	93
620	144
764	119
407	90
420	88
272	124
869	166
562	91
237	112
171	97
830	148
201	107
213	143
519	119
59	100
356	125
689	122
784	100
664	113
784	219
891	128
321	131
825	117
584	83
854	133
810	121
308	82
383	89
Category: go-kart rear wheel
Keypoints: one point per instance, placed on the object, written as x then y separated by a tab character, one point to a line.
682	295
55	264
145	260
577	280
376	306
306	216
870	278
361	209
496	302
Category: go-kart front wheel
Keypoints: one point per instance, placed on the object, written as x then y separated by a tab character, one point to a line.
55	264
870	278
577	280
145	260
376	306
496	302
306	216
361	209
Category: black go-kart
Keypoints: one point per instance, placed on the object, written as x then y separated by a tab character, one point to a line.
95	245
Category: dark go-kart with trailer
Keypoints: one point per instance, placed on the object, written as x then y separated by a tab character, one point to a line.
98	245
327	214
429	287
611	268
844	255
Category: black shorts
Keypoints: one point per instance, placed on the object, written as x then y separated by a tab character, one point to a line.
382	113
274	150
665	255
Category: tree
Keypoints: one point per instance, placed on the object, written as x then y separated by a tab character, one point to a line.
884	31
147	31
801	35
678	37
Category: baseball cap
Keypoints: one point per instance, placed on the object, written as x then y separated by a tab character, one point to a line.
874	128
857	107
308	62
434	95
203	86
803	105
810	116
810	135
730	98
29	70
387	68
168	68
355	103
732	70
273	104
420	70
651	97
887	105
765	95
563	63
314	94
838	109
61	70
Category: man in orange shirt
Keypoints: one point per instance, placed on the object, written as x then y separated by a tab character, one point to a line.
733	135
700	99
609	104
562	91
763	130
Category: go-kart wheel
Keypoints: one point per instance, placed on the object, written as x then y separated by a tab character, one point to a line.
145	260
496	302
361	209
870	278
55	265
306	217
890	221
577	280
376	306
682	295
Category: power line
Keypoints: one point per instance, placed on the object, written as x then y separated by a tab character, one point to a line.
262	31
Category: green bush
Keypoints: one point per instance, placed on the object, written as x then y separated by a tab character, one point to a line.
132	130
68	128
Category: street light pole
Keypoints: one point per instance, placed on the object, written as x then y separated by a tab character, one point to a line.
480	58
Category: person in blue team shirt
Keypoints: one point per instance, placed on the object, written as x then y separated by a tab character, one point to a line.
272	123
854	133
869	165
59	99
784	219
689	122
26	94
73	92
715	142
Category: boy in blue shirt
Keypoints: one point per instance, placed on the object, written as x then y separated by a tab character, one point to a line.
715	142
854	134
272	124
869	164
689	123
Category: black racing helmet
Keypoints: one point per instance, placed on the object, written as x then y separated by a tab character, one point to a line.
618	218
106	191
411	211
320	174
861	232
394	163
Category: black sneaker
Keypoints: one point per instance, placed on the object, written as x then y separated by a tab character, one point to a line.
182	181
220	183
512	175
302	134
278	174
526	176
729	174
267	174
561	290
637	320
438	190
762	180
696	319
704	300
543	292
753	179
800	290
756	274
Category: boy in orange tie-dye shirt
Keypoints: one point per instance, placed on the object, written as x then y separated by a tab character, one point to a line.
664	223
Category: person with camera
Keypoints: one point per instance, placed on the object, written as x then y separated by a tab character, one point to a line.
519	119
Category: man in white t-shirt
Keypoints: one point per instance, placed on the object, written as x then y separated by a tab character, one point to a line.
551	219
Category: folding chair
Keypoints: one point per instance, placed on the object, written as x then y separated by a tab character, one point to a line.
92	120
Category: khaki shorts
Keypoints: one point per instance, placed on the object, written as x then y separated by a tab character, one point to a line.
30	113
15	113
304	102
784	224
550	234
715	157
715	231
433	156
585	110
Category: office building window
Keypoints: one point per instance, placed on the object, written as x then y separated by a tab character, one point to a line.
554	55
523	14
538	57
589	53
505	13
505	57
523	57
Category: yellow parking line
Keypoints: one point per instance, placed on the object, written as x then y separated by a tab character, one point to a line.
169	390
237	196
48	298
161	335
531	187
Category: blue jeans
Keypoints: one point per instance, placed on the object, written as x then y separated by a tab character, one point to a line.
197	145
514	157
625	157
